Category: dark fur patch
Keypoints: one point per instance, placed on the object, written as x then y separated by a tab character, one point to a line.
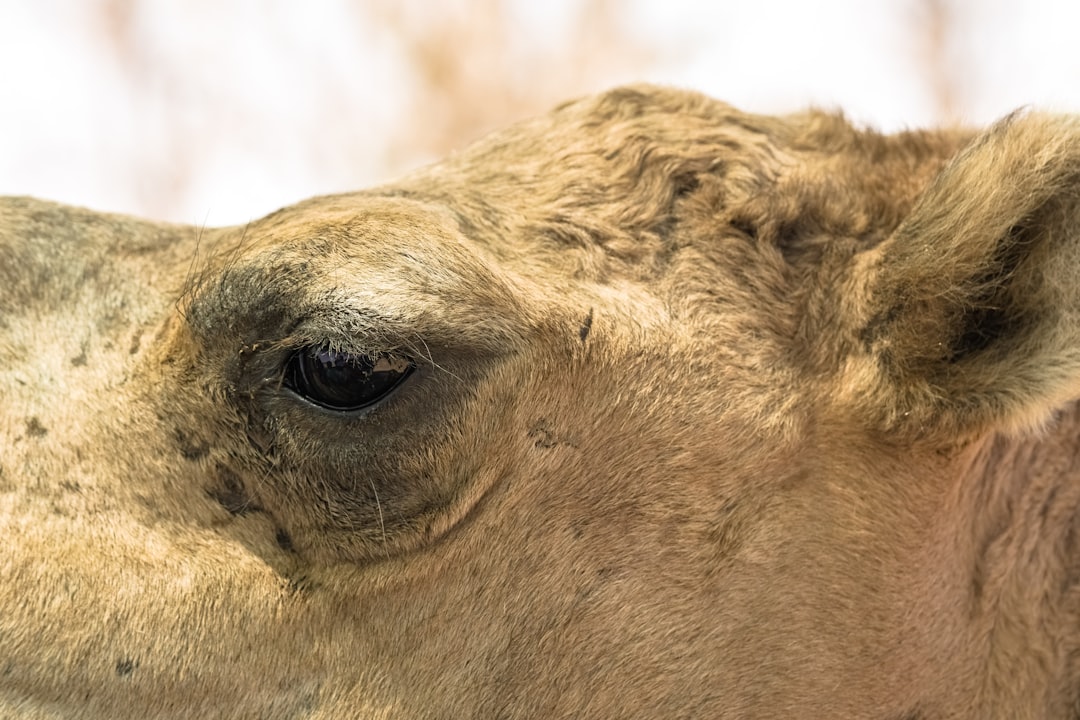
126	666
586	326
281	537
302	585
230	493
80	359
35	429
545	437
191	448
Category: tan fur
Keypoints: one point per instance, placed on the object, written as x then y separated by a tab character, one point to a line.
714	415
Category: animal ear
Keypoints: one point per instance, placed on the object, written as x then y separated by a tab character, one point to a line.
968	316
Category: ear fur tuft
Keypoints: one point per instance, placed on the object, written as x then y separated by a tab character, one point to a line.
970	312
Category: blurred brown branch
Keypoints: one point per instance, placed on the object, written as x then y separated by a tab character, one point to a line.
940	57
476	68
470	66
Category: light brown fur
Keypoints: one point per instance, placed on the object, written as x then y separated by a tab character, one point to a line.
714	415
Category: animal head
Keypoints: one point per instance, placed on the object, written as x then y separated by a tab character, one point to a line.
644	408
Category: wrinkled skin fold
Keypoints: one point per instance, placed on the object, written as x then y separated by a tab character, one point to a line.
708	414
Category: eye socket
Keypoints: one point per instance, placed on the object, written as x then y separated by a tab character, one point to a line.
344	381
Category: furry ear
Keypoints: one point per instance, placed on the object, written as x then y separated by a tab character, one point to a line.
968	316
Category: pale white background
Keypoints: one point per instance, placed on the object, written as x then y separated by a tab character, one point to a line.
216	112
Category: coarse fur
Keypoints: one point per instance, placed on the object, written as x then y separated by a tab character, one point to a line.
712	415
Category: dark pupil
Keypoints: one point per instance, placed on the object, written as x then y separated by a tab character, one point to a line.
343	381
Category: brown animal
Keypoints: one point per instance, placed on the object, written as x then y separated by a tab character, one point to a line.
646	408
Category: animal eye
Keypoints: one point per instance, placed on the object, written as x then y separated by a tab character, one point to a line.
344	381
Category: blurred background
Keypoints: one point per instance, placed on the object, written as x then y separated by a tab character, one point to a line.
213	112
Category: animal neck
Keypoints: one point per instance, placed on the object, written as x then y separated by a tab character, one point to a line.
1020	500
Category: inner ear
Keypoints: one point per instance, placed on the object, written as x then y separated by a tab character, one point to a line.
971	312
997	311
